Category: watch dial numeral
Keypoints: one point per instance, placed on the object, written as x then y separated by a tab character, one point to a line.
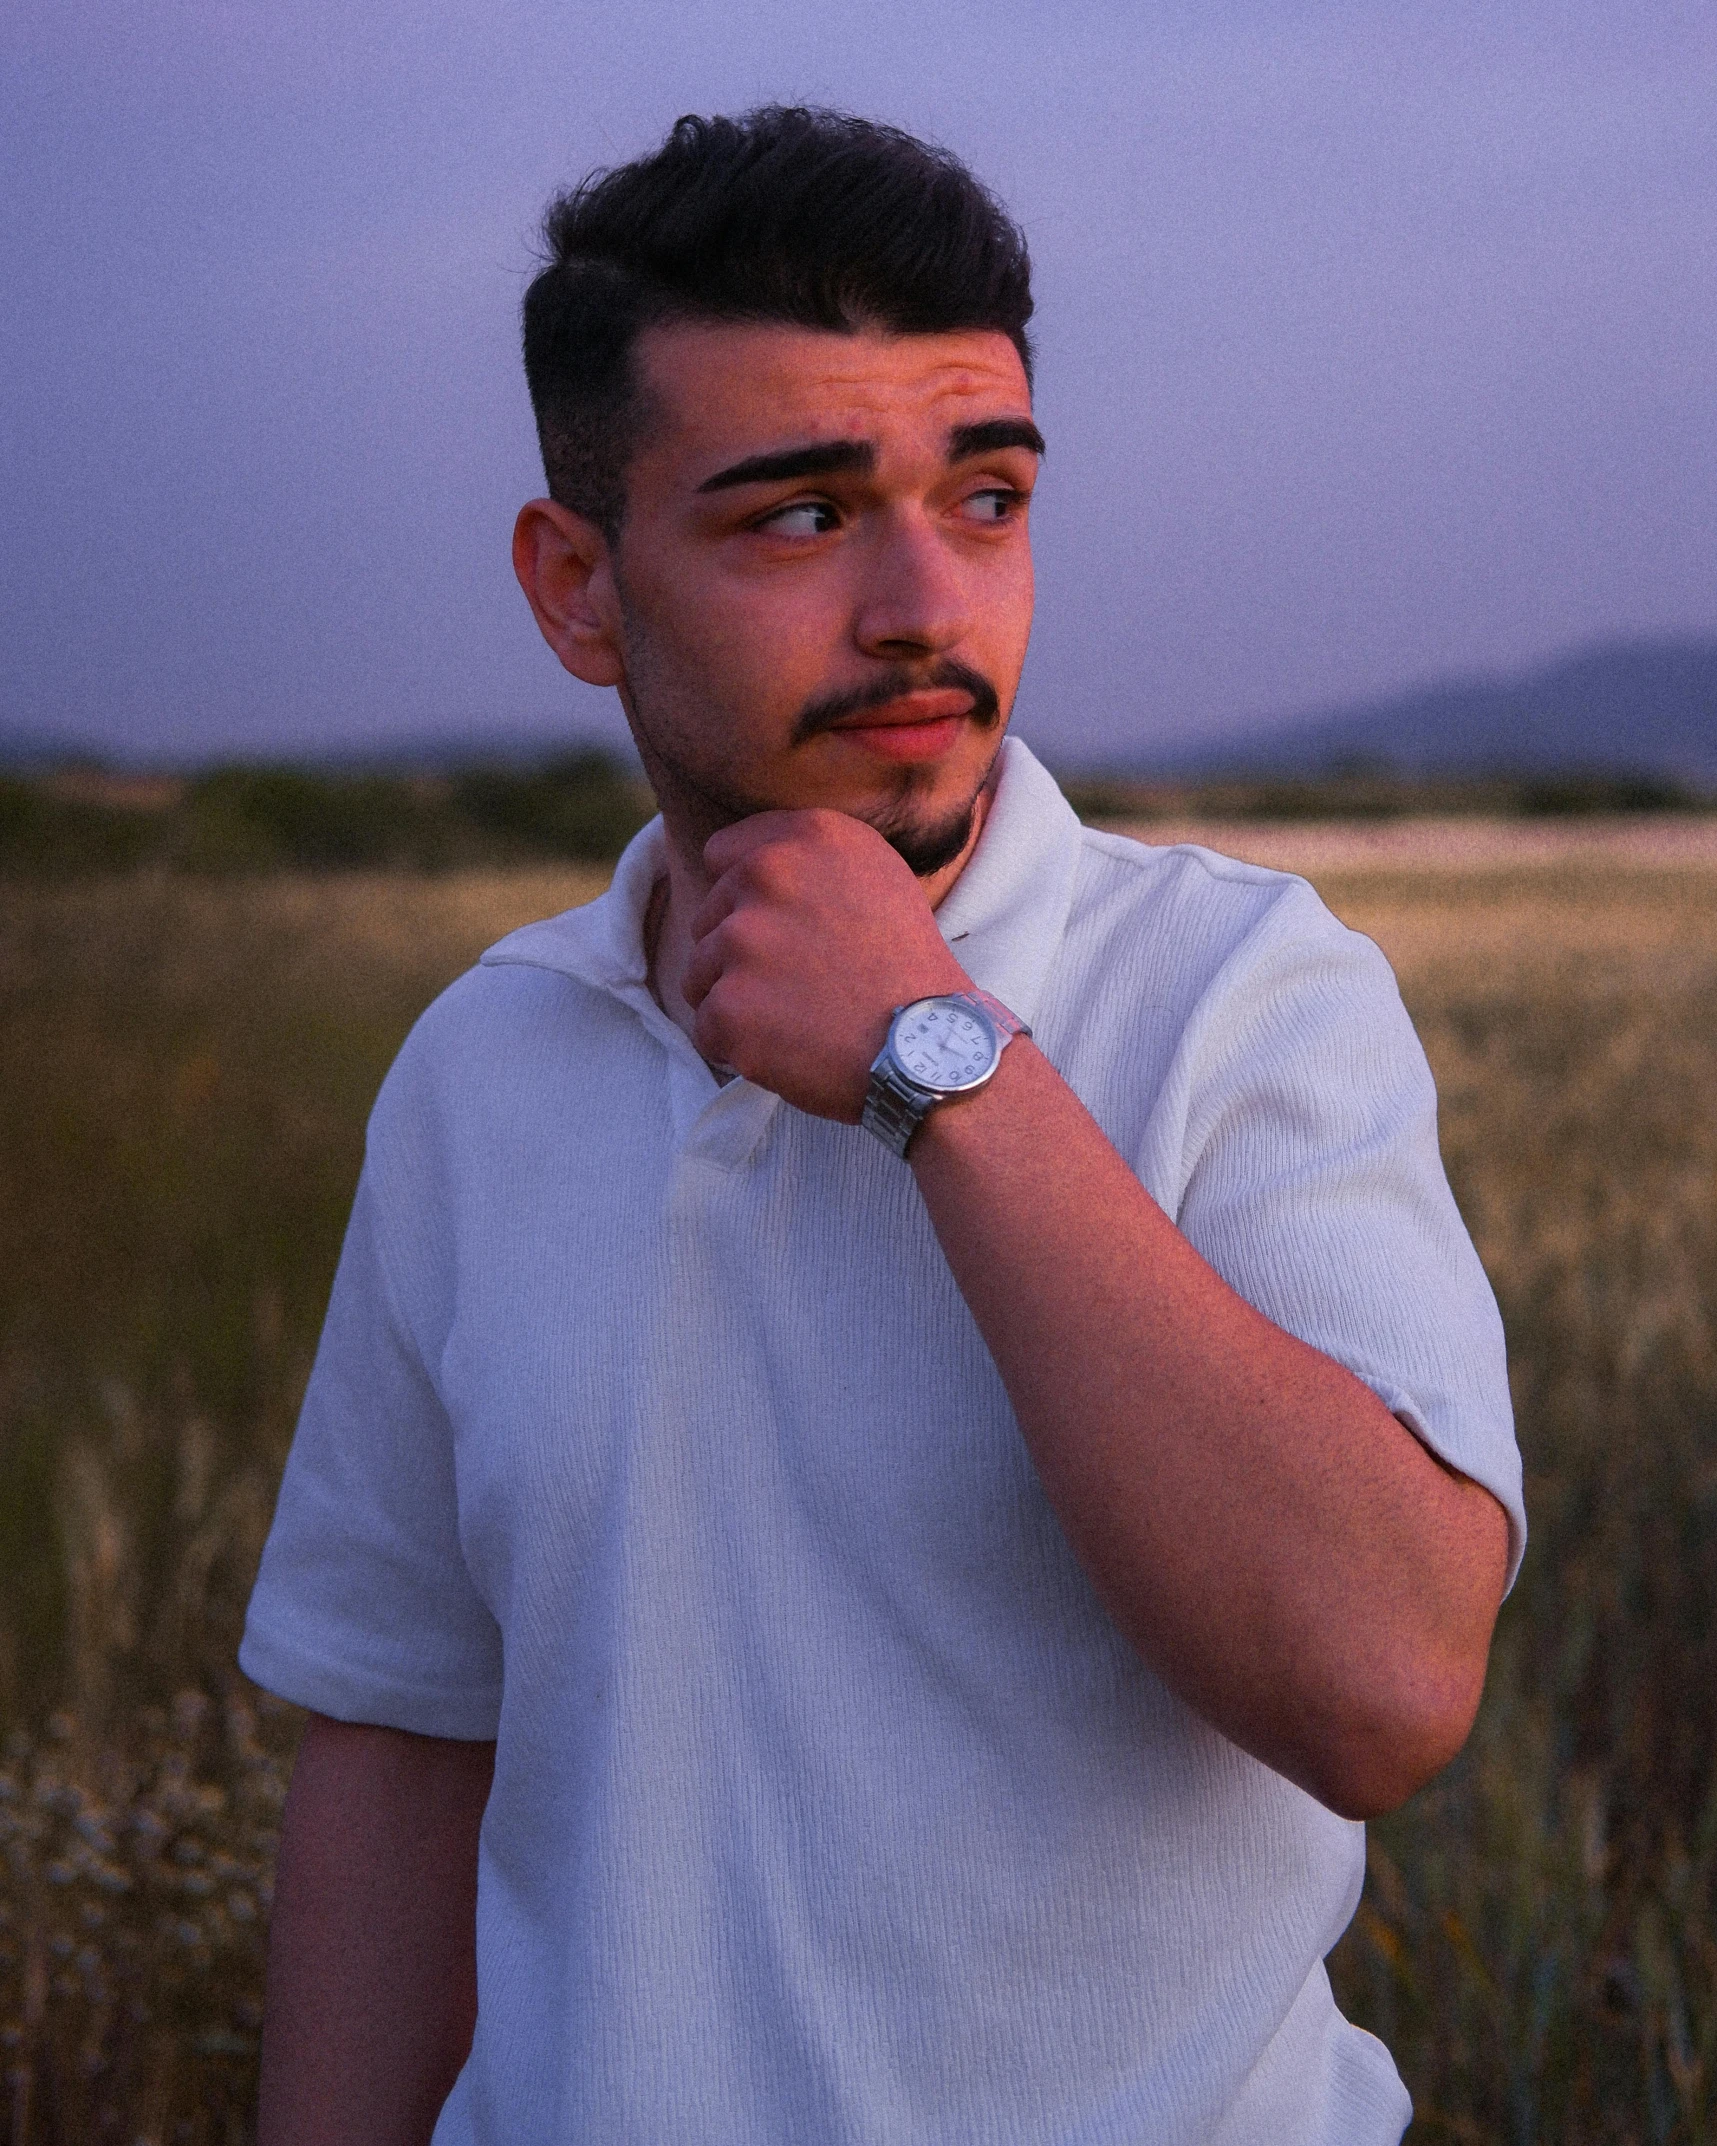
943	1046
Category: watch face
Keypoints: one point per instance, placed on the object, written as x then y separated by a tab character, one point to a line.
941	1045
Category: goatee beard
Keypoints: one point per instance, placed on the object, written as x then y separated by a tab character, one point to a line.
928	850
925	850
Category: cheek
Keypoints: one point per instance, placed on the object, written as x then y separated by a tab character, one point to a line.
741	660
1022	592
1004	607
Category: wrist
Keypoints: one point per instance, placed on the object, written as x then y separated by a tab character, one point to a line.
967	1126
940	1049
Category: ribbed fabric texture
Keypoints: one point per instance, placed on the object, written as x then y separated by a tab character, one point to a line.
650	1435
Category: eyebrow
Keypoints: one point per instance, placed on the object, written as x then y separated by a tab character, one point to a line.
830	458
834	458
968	440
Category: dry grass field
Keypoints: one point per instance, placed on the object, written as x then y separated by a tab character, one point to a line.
184	1072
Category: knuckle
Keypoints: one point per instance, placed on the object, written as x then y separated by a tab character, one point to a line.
733	939
770	870
756	938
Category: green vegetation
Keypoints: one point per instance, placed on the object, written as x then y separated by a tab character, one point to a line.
78	823
185	1064
1365	792
1539	1938
185	1069
83	821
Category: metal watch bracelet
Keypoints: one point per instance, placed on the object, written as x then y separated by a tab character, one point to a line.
895	1106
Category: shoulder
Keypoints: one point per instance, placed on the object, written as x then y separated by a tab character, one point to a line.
477	1023
493	1050
1122	874
1178	925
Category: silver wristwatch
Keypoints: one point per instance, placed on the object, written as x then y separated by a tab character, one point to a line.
937	1048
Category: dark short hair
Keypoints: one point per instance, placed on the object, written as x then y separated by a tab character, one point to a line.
808	217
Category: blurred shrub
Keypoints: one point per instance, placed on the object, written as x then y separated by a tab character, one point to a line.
258	819
1555	797
1372	793
47	836
581	807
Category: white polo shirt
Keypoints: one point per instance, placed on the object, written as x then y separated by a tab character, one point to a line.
650	1436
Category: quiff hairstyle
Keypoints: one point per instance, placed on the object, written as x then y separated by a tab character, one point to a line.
808	217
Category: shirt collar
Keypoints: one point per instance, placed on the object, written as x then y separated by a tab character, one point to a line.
1004	916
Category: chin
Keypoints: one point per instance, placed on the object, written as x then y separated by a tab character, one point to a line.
927	837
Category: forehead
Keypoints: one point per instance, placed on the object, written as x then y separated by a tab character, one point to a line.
725	390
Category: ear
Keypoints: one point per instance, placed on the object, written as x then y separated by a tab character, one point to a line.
564	568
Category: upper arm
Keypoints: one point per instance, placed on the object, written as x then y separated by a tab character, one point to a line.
365	1608
1313	1183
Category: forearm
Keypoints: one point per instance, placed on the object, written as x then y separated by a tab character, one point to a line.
372	1988
1276	1545
1279	1549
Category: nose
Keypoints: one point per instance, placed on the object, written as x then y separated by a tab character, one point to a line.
913	599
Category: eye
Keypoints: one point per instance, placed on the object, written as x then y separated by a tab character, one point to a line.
801	518
996	503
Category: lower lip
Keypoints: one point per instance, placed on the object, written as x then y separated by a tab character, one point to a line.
904	741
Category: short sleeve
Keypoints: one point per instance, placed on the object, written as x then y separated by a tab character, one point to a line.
1314	1185
364	1607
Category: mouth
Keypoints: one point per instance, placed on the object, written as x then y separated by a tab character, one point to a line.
916	726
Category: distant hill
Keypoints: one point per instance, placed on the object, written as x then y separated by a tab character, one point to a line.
27	751
1644	708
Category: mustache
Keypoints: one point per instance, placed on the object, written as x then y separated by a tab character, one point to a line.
819	715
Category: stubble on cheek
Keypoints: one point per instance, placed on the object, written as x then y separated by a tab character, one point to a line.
680	736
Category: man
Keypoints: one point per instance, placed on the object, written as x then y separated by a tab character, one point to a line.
915	1534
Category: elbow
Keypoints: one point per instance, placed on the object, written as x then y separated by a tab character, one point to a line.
1387	1750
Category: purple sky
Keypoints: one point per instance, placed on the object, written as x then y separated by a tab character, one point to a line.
1373	347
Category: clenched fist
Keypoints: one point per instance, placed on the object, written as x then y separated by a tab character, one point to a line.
814	931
